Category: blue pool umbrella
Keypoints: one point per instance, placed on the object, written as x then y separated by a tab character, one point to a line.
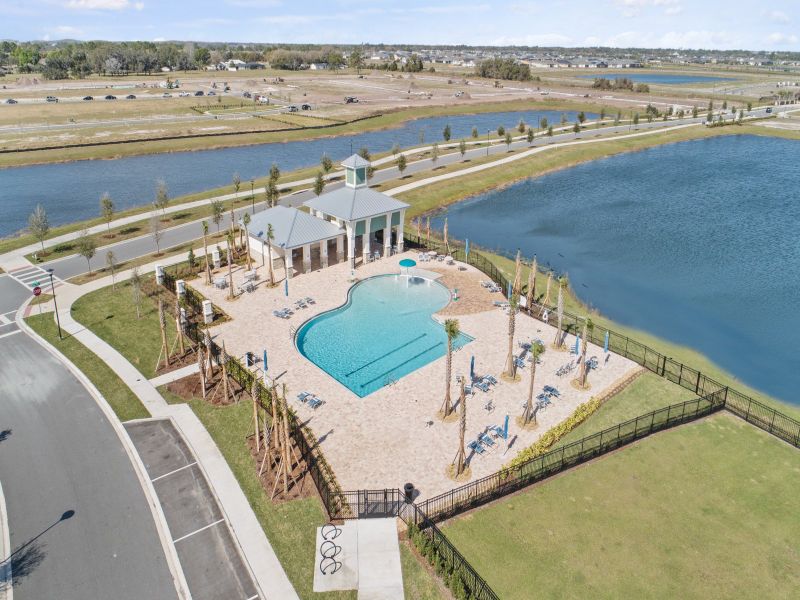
472	369
505	429
605	345
466	250
286	286
577	344
265	360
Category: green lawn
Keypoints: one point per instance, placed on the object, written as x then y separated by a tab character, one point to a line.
119	396
707	510
290	526
111	314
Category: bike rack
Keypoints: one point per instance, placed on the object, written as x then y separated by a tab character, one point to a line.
329	549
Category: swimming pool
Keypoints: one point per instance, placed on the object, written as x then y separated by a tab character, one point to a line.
384	332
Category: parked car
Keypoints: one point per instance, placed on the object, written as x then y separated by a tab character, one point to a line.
87	98
51	99
184	95
350	100
292	108
198	93
110	97
212	93
130	97
305	106
166	95
11	101
769	111
247	95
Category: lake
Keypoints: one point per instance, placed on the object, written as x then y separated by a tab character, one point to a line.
695	242
662	78
71	191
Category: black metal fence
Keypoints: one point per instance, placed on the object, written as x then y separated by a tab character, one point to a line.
753	411
511	479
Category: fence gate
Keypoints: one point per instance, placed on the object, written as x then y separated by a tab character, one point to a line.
378	503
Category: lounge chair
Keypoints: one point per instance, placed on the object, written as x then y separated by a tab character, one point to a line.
468	390
481	385
486	439
476	447
490	379
303	396
519	362
497	430
310	300
314	402
552	391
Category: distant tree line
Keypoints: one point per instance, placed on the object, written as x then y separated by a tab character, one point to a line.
412	65
504	68
621	83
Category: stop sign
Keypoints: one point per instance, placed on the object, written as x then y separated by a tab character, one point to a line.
37	290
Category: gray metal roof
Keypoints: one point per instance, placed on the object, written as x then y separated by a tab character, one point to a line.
291	227
353	204
355	161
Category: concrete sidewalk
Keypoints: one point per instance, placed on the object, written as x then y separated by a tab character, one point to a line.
255	546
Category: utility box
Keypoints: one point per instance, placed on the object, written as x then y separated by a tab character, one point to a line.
215	257
180	288
208	312
159	275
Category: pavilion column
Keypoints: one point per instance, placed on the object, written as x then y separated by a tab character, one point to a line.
323	253
351	246
307	258
400	232
340	248
287	263
366	248
387	236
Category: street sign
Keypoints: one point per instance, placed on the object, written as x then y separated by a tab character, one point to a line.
37	290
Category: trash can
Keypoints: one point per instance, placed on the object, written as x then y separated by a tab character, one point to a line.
408	489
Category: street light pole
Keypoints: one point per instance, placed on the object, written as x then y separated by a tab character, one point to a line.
55	304
252	198
487	141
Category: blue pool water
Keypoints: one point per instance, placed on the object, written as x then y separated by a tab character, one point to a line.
384	332
71	191
662	78
696	242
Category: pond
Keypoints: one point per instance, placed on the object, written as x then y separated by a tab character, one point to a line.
71	191
695	242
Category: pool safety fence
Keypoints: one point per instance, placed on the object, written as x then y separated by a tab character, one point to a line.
738	403
511	479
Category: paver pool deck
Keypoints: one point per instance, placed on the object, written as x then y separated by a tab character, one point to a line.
393	435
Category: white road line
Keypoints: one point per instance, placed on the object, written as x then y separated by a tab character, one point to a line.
6	581
253	597
5	321
175	471
197	531
9	333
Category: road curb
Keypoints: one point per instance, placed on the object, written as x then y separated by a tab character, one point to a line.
164	535
6	581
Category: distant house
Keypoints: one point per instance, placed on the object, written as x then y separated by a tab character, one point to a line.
318	66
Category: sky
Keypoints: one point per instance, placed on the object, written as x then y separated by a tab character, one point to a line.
708	24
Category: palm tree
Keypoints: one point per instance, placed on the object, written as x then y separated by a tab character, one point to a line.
532	285
588	326
511	366
205	253
451	329
562	284
229	240
537	349
245	223
460	460
270	237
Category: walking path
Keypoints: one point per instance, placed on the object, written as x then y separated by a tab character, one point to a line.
255	546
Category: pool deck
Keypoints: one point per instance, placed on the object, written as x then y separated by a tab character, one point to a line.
393	436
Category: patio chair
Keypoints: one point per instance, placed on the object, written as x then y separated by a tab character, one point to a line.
519	362
476	447
300	304
552	391
303	396
490	379
309	300
481	385
315	402
497	430
486	439
468	390
489	406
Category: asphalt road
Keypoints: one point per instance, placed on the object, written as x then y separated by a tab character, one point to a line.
71	266
58	454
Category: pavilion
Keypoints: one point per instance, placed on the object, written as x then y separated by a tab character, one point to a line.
338	217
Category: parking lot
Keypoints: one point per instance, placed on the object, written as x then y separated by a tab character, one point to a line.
209	554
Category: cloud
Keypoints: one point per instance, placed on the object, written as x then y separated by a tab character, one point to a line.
674	39
254	3
776	16
525	8
99	4
782	39
541	39
62	31
633	8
